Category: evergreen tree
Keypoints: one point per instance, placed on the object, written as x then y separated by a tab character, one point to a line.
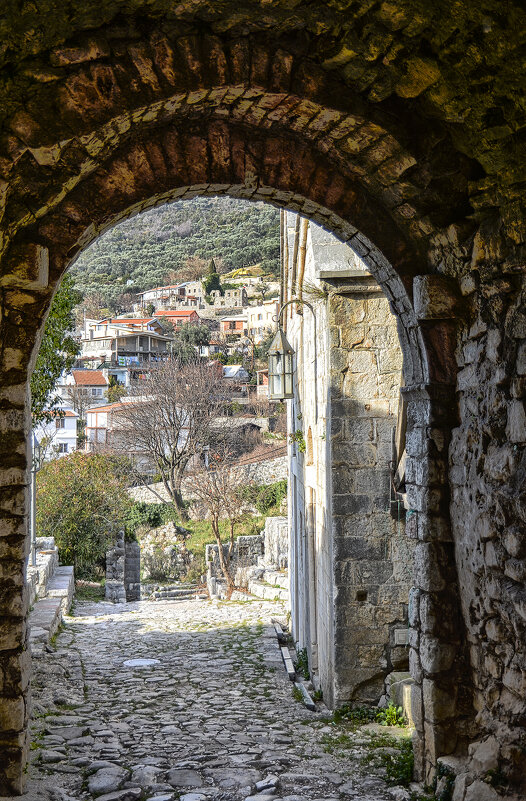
212	280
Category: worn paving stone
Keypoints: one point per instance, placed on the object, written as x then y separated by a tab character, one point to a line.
213	719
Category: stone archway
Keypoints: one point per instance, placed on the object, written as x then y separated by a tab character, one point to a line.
369	126
105	197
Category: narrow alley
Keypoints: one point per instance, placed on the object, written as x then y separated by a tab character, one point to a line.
189	700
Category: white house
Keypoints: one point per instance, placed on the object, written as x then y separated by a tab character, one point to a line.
261	320
81	388
58	437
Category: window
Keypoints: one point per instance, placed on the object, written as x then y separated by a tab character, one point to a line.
60	422
62	447
260	316
96	391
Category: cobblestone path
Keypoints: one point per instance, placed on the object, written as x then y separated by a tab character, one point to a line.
214	719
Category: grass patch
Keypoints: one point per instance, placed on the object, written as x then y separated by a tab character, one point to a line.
302	663
202	532
392	757
90	590
352	716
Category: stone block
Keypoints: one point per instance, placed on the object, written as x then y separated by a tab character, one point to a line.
516	426
435	297
417	711
351	504
360	548
12	714
430	566
439	704
436	656
480	791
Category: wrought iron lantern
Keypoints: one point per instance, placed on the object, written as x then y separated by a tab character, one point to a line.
280	359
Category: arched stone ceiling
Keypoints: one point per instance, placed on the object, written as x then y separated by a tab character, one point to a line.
420	102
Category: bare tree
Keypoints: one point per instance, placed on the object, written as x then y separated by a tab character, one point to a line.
169	419
79	399
220	489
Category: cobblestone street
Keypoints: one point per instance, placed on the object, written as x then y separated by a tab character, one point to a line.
213	717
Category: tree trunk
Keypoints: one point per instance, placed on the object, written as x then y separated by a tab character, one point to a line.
180	508
178	497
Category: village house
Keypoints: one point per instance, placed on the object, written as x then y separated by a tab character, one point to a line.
58	437
175	296
81	388
261	320
122	341
234	326
230	298
262	383
179	317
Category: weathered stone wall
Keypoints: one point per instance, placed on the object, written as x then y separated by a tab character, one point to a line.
268	471
276	542
351	561
247	551
487	460
115	591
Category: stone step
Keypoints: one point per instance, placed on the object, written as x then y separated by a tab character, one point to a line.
39	575
62	585
277	578
266	591
44	620
173	596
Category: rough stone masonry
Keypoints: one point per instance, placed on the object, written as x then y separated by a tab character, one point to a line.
399	127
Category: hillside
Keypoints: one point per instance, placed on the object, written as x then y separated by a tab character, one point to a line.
143	252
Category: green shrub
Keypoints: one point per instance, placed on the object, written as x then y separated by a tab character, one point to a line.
150	515
82	502
391	716
266	497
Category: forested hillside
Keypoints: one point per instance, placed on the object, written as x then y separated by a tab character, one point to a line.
143	252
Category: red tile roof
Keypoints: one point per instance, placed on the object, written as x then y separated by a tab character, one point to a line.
131	320
109	408
63	413
89	378
183	313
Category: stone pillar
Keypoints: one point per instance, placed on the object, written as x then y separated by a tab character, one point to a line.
115	562
15	663
437	658
132	571
441	697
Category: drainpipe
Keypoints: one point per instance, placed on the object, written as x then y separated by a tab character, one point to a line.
285	281
282	235
302	257
295	258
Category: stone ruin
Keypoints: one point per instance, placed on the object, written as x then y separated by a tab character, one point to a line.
123	571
